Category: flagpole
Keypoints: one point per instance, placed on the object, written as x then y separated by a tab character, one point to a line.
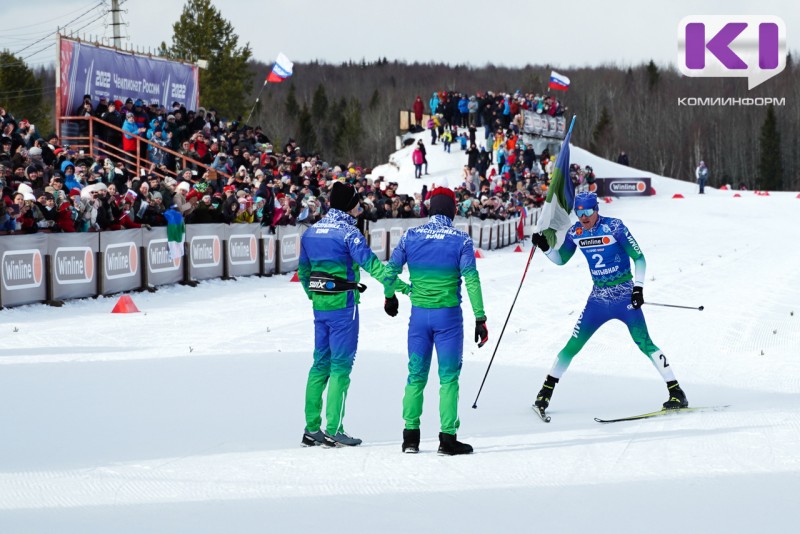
257	99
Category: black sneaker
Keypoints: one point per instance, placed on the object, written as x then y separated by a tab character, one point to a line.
543	398
677	398
411	441
449	445
312	439
341	439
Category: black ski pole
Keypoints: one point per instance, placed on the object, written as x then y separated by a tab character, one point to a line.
698	308
530	257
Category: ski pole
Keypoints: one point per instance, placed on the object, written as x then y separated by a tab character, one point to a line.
530	257
698	308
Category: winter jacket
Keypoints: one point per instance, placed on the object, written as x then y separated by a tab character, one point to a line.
336	247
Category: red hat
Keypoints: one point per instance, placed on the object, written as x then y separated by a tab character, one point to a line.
74	192
194	193
229	188
280	196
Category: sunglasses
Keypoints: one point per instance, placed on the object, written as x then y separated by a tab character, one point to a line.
585	213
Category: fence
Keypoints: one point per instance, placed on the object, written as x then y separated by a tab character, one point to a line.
49	268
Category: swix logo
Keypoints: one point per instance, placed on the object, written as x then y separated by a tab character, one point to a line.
633	243
74	265
594	241
745	46
22	269
576	330
629	186
290	247
158	257
242	249
205	251
121	260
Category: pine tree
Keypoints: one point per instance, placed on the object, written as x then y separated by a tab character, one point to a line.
21	91
349	131
601	133
292	107
770	167
375	100
653	76
306	136
319	104
202	33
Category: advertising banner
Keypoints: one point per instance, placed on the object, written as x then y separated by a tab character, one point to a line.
72	260
161	268
486	235
270	258
378	239
288	238
497	234
475	231
461	223
121	262
205	250
23	273
99	71
619	187
395	229
243	249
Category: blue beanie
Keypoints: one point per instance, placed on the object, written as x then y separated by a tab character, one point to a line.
585	201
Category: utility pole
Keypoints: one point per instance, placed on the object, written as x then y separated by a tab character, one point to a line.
115	23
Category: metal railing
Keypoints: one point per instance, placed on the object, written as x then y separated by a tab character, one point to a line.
89	139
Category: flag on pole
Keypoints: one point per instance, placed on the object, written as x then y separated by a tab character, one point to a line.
554	218
281	70
176	232
558	81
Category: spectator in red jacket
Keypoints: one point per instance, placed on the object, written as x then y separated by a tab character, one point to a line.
418	108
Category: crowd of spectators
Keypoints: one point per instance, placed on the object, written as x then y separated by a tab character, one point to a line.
234	174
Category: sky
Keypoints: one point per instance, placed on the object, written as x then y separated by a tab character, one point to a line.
187	416
475	32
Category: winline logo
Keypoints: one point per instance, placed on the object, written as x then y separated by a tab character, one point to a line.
22	269
74	265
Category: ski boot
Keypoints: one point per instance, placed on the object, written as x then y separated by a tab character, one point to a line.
341	439
677	398
449	445
411	441
543	398
312	439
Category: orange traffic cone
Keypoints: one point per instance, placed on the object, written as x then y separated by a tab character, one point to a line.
478	253
518	249
125	305
677	195
295	278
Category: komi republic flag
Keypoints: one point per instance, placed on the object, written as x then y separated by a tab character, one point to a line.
558	81
282	69
176	232
554	219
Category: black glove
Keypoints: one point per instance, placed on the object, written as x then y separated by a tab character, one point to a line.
391	306
637	297
540	241
481	332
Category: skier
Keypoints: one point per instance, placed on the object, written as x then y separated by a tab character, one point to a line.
330	253
438	255
616	294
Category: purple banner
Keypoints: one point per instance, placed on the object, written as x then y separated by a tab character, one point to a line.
86	69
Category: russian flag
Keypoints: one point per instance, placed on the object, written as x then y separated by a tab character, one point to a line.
558	81
282	69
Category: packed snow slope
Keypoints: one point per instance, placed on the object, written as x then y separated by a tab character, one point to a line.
187	417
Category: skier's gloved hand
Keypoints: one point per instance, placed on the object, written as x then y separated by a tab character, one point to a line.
391	306
637	297
540	241
481	332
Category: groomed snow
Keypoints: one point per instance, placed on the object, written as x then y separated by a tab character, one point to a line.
187	417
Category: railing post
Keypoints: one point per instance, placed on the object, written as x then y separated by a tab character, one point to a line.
91	137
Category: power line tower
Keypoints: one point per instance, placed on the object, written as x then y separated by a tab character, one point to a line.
116	23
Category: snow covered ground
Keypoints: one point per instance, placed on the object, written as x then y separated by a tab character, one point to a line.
187	417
